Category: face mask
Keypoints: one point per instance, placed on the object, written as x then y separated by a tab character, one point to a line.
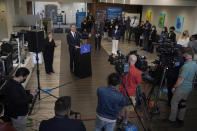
23	81
153	28
116	27
163	30
184	34
2	114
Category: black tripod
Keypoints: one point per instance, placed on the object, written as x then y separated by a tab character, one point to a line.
38	95
155	109
38	79
145	128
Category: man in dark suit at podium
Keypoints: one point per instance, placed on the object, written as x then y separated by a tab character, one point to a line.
73	40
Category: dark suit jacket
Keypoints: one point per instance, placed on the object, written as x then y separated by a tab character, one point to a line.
153	36
98	30
116	35
72	42
61	124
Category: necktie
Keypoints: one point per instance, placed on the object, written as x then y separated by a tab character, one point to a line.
74	35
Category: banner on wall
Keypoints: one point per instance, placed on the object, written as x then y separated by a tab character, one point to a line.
79	18
100	15
161	20
148	15
179	23
113	12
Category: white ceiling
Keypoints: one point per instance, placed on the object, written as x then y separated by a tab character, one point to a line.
155	2
88	1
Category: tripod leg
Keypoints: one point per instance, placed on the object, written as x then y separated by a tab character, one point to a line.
33	103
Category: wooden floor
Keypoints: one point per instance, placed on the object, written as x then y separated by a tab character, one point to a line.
83	91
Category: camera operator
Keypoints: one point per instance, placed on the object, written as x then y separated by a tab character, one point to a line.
130	81
172	35
173	72
17	99
193	45
61	121
183	87
110	102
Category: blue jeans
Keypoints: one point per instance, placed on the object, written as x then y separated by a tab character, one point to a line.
99	125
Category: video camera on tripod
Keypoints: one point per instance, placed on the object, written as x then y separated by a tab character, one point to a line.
169	54
122	65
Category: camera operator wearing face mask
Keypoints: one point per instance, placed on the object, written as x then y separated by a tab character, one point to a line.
184	40
182	87
17	99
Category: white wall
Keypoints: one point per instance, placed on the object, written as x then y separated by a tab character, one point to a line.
10	15
40	6
189	14
70	9
7	13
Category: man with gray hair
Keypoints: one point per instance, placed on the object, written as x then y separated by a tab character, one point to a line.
182	88
129	82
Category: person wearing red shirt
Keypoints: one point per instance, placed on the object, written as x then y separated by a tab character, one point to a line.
130	81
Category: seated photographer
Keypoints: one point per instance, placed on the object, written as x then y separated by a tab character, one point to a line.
182	87
4	126
61	121
193	45
110	102
184	39
17	99
172	35
130	81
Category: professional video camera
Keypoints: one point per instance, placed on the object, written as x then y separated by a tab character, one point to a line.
122	65
170	54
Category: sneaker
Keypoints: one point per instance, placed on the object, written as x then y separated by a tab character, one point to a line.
167	122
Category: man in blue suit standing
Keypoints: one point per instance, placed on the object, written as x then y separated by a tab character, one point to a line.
61	121
73	40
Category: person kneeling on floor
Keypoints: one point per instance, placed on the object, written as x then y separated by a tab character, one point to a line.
61	121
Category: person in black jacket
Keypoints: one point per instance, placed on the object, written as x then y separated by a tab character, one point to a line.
48	53
152	38
98	31
110	28
85	36
172	35
147	30
17	99
73	40
84	25
61	121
